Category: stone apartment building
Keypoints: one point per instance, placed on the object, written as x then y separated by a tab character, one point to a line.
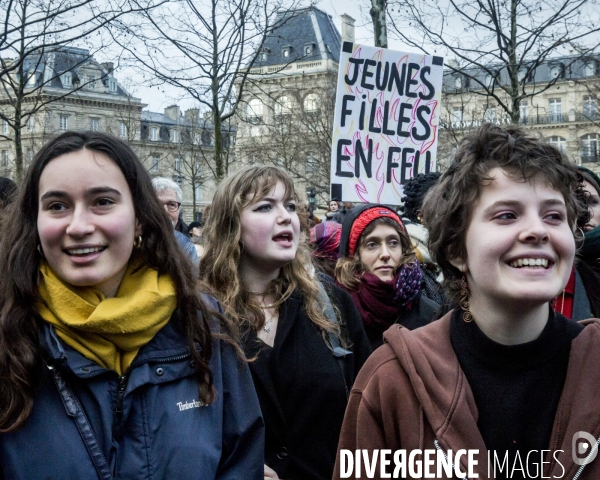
565	114
78	93
286	115
179	145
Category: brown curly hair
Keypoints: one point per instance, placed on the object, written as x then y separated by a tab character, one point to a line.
448	206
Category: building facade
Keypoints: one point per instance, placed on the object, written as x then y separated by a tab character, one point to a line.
563	109
180	145
286	113
67	89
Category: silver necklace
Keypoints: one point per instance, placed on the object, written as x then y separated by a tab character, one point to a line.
266	327
260	294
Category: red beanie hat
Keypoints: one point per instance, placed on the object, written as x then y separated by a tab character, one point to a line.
363	220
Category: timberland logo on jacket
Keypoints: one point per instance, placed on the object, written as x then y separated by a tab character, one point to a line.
187	405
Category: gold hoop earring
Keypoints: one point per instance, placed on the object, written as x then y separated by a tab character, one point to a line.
138	242
464	300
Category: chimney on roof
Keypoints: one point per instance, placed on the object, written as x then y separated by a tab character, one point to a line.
347	28
173	112
109	67
192	115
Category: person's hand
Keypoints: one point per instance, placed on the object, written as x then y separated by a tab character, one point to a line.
270	473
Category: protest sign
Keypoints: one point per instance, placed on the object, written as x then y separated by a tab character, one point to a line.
385	128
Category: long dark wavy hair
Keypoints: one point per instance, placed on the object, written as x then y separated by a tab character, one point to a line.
21	356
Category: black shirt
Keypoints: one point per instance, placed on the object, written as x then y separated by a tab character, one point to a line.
516	387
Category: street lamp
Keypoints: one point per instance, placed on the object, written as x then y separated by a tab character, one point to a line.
312	200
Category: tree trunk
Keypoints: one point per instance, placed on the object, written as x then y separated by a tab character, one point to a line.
379	23
515	113
217	125
17	139
18	142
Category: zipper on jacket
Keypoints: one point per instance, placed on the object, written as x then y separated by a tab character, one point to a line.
171	359
120	395
123	378
118	420
438	447
587	459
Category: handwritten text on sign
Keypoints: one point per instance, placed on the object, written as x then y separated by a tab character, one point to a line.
386	122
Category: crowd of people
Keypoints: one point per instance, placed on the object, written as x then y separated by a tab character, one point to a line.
257	344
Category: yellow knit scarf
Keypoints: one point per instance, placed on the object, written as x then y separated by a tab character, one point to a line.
108	331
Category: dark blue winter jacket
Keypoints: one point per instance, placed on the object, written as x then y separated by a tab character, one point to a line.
148	424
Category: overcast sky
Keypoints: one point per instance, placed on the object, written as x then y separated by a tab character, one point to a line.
159	98
157	101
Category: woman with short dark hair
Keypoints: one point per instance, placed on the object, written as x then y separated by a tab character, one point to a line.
502	373
580	299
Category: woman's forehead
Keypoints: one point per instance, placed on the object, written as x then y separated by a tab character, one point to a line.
269	188
504	186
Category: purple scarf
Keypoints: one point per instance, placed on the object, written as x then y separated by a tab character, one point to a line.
382	303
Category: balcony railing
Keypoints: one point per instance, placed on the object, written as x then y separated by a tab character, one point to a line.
527	120
544	119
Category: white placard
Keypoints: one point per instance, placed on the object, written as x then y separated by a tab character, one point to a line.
385	128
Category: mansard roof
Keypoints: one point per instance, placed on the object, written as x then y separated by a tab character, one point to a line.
162	119
294	31
50	65
568	67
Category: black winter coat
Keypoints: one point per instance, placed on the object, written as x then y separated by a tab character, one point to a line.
301	389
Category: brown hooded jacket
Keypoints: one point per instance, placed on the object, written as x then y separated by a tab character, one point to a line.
412	394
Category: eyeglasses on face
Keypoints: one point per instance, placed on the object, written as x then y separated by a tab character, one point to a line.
172	206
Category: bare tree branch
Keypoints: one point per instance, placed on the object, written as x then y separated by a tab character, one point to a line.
502	40
34	31
204	49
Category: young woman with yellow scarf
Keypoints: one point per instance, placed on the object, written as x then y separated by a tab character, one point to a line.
112	364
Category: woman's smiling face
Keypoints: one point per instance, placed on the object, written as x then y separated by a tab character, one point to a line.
86	220
520	247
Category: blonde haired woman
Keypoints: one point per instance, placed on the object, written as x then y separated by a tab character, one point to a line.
307	337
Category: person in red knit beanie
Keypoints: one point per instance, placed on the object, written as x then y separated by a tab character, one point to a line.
378	267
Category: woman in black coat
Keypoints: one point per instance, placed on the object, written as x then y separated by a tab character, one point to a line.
305	336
